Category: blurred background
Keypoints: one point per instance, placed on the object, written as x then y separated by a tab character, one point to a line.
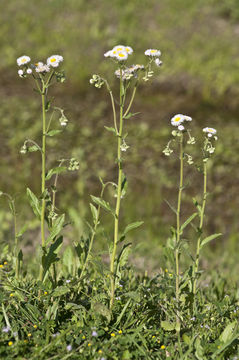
199	77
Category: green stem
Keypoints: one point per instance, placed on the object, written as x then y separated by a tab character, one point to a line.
178	226
118	201
16	239
200	225
92	235
114	112
131	101
43	173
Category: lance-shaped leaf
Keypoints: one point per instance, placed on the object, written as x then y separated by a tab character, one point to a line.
54	171
104	204
34	202
56	228
208	239
187	222
53	132
50	257
110	129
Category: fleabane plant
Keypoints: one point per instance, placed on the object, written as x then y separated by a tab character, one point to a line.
180	135
208	149
45	74
129	77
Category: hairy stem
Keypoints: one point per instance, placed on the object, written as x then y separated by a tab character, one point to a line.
200	226
178	226
43	173
119	190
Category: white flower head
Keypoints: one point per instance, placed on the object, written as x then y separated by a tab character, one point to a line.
119	48
20	72
181	128
29	71
158	62
23	60
108	53
54	60
210	131
129	50
187	118
41	68
177	120
121	56
152	52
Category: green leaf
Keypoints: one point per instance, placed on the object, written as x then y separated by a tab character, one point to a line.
123	255
171	207
56	170
111	129
104	204
53	132
50	257
208	239
34	202
129	115
94	212
185	224
167	325
56	228
227	333
33	148
60	290
132	226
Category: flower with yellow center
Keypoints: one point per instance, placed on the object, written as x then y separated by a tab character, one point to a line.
119	48
113	334
10	343
54	60
162	347
152	52
210	130
177	120
121	55
23	60
129	50
1	266
5	263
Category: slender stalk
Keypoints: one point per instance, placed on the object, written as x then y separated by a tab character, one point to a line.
178	225
16	239
43	172
92	235
200	225
131	100
113	108
119	190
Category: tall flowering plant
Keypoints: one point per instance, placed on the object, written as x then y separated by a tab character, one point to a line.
44	206
129	77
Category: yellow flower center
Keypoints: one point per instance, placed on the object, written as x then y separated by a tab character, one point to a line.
119	49
23	60
53	60
177	119
153	51
121	55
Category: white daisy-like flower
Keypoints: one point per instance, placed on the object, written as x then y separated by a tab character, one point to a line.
187	118
181	127
177	120
53	61
208	130
20	72
152	52
121	55
129	50
40	67
29	71
119	48
23	60
108	53
158	62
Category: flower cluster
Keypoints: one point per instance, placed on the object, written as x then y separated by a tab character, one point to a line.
208	145
154	54
119	52
39	67
97	80
210	132
129	72
178	119
74	165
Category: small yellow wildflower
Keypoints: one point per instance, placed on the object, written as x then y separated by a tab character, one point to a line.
5	263
89	344
45	292
219	347
120	331
83	337
1	266
10	343
170	275
162	347
25	341
11	294
29	335
35	326
100	351
153	336
166	270
113	334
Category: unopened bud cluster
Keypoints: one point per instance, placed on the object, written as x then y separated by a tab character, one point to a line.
74	165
